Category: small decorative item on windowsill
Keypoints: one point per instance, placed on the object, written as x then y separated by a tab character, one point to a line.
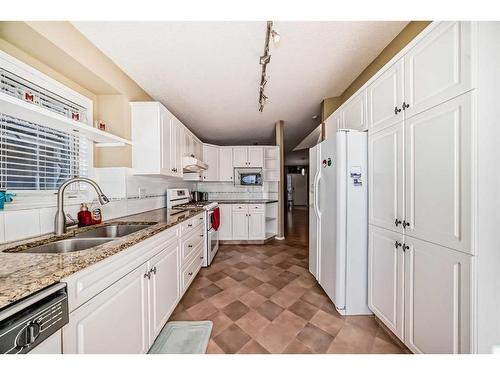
101	125
5	197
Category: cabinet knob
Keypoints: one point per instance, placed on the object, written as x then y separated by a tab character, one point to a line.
405	105
153	270
397	244
147	275
397	110
405	247
405	224
190	225
190	274
190	245
397	222
201	235
201	257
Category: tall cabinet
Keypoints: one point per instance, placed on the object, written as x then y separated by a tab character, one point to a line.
421	137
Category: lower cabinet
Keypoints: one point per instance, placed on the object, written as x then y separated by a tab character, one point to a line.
256	225
239	225
248	222
126	317
421	291
225	228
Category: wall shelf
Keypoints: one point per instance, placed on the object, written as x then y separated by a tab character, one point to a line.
18	108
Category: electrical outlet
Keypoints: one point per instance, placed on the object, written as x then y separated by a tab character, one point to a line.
142	193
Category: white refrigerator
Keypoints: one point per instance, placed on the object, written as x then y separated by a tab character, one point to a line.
338	218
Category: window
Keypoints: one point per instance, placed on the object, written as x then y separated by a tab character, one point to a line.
34	157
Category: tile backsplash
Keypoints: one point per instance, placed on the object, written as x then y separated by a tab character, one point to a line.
227	190
129	194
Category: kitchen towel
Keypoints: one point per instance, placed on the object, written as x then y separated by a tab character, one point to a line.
216	218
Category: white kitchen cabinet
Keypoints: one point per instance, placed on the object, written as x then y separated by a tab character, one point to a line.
226	170
240	157
167	138
188	144
211	158
386	178
332	124
240	225
225	228
52	345
176	147
256	225
113	322
437	299
386	278
385	98
198	149
164	288
438	67
438	174
271	171
251	156
354	112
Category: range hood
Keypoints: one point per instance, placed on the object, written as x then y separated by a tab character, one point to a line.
193	165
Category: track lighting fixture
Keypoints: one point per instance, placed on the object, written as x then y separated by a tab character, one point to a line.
264	60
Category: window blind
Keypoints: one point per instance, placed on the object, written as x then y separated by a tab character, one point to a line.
34	157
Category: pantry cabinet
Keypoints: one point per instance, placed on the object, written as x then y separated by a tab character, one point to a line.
437	298
386	178
439	67
386	278
385	98
211	158
438	174
226	170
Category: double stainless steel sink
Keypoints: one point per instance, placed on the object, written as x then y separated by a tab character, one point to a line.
88	239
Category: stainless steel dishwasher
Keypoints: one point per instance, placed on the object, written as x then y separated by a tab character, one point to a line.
29	322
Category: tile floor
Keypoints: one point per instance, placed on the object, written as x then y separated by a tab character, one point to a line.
262	299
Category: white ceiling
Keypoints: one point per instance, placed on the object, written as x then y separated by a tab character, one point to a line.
208	74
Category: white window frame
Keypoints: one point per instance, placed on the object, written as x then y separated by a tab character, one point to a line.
21	69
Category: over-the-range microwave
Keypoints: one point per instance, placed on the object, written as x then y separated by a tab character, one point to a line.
250	179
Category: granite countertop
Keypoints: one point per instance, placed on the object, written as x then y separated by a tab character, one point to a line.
22	274
245	201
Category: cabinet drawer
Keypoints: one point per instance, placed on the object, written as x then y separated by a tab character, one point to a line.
190	272
259	207
191	244
240	207
190	224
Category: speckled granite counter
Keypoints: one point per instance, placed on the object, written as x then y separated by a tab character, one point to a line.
22	274
245	201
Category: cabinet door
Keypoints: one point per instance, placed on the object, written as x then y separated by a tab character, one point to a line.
354	113
211	157
386	177
164	288
386	278
240	158
256	157
332	124
113	322
166	163
179	148
240	225
438	68
438	299
256	226
438	174
188	144
225	229
226	164
385	98
198	149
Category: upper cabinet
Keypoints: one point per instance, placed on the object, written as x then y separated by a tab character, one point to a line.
211	157
385	98
438	68
332	124
248	156
226	171
353	112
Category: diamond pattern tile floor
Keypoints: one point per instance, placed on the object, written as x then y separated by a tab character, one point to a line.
262	299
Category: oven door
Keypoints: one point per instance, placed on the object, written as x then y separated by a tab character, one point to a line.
212	244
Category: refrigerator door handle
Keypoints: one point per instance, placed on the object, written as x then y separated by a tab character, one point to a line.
317	178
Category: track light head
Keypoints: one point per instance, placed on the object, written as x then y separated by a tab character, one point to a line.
265	59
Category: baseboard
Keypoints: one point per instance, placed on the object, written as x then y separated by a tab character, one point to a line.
242	242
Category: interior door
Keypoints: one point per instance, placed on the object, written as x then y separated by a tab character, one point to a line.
386	178
113	322
256	157
438	174
354	113
299	189
385	98
438	299
164	291
386	278
226	164
438	67
240	158
240	225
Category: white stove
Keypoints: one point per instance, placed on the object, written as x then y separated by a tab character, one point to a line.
180	200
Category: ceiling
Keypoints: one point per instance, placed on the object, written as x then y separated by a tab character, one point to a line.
207	73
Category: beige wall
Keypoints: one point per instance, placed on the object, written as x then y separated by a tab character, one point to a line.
329	105
63	53
397	44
